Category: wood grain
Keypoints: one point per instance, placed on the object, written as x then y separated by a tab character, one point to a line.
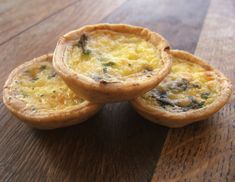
109	147
19	15
116	144
206	151
179	22
41	38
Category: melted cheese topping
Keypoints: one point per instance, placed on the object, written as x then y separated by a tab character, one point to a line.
42	89
113	56
188	86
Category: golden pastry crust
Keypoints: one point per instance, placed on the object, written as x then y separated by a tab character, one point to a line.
167	117
43	117
101	91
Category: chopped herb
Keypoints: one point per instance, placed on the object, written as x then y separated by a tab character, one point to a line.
165	101
180	85
42	67
105	70
35	79
33	109
103	82
195	104
110	63
161	97
82	41
148	69
205	95
82	44
162	93
194	85
87	52
52	75
183	84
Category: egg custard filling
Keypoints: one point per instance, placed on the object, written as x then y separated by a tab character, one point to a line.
189	86
40	88
110	56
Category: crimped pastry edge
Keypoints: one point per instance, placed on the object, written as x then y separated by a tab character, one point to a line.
175	120
111	92
45	120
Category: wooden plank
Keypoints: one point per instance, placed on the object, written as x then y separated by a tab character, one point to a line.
179	22
19	15
206	151
116	144
41	38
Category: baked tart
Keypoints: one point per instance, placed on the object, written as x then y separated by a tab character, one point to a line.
36	94
192	91
111	62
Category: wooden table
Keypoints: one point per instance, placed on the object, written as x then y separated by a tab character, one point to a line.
117	144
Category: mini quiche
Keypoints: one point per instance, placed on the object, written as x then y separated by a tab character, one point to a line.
192	91
37	95
111	62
